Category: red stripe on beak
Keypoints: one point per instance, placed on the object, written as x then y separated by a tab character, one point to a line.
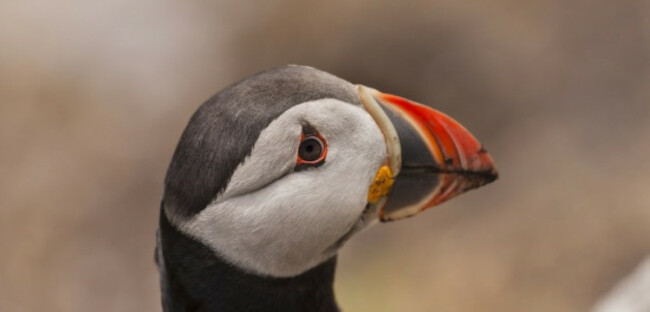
454	148
458	160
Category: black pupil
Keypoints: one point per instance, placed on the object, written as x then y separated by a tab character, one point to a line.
310	149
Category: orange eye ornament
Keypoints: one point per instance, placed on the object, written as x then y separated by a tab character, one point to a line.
312	150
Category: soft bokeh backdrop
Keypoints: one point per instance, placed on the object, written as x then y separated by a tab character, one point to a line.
94	96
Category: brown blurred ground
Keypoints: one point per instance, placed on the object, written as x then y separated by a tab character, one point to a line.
94	95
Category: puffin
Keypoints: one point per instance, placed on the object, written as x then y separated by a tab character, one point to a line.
273	174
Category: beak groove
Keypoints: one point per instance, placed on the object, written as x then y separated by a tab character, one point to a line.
440	159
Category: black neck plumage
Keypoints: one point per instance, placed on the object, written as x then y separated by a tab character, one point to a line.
193	278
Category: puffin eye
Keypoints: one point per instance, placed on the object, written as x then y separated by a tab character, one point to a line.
312	150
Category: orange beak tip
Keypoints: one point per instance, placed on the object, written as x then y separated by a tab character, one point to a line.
440	159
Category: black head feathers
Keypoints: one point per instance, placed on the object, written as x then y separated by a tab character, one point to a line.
222	132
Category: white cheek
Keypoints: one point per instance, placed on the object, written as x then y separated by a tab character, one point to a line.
273	155
285	227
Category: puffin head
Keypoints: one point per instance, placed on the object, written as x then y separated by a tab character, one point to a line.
274	173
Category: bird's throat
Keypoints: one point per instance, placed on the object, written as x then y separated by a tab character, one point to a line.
194	278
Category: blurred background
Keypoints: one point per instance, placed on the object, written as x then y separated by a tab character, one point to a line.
94	96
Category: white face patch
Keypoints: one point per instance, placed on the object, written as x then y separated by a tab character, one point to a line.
275	221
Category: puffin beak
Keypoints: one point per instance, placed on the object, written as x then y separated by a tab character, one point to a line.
431	157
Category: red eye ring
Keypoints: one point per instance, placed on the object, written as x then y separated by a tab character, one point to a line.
308	152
